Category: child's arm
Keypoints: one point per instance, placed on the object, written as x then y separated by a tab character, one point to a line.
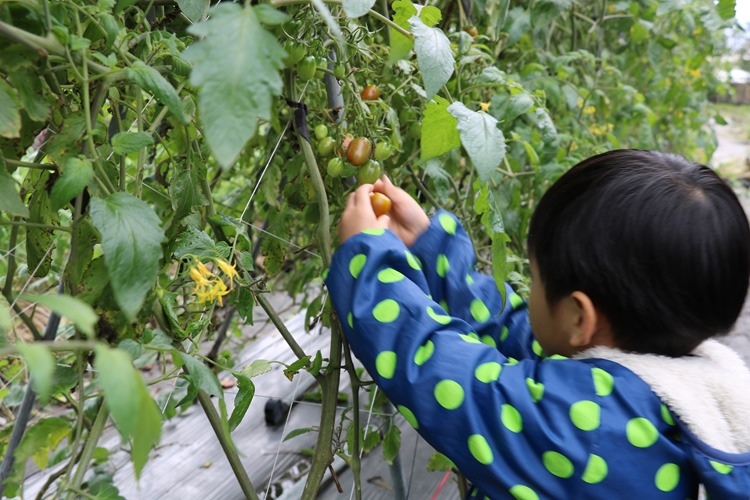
446	257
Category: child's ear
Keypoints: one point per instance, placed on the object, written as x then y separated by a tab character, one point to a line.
585	321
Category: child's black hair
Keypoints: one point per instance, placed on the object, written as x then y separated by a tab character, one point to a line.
661	245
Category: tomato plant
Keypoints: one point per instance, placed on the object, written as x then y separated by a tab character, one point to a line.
359	151
370	93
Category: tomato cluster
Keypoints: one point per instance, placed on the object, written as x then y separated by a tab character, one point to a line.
358	152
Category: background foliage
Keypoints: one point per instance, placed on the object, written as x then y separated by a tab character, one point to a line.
164	160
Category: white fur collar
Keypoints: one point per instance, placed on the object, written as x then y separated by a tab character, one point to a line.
709	390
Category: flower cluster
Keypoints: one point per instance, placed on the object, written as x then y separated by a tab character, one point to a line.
210	287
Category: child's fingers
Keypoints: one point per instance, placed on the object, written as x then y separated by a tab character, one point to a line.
362	195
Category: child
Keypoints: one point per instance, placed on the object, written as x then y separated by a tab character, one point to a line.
638	259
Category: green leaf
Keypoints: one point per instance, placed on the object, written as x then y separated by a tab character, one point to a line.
29	89
434	55
544	123
147	430
194	9
200	376
128	142
151	80
42	439
391	444
237	87
10	117
39	239
10	201
500	266
403	10
298	432
78	312
257	367
293	369
41	365
439	132
481	138
131	240
198	243
508	108
518	23
357	8
185	193
430	15
245	393
439	462
5	320
76	174
726	9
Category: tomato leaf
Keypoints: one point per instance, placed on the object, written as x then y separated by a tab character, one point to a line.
195	242
236	86
194	9
128	142
131	240
10	201
245	393
257	367
391	444
439	462
200	376
185	193
430	15
434	55
5	321
403	10
439	132
41	439
481	138
151	80
298	432
10	116
78	312
41	365
357	8
29	87
76	174
726	8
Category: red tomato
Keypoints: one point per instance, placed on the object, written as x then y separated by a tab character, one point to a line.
359	151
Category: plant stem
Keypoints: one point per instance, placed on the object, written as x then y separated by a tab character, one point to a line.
28	164
91	441
280	326
14	222
65	346
226	444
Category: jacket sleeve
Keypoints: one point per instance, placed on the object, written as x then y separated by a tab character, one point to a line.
447	259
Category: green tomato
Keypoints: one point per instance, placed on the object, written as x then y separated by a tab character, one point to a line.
321	131
383	151
294	53
339	71
335	167
322	65
369	172
326	145
307	67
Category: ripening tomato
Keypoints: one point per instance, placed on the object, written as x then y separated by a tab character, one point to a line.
294	53
472	31
307	67
381	204
326	145
370	93
383	151
335	167
359	151
321	131
369	172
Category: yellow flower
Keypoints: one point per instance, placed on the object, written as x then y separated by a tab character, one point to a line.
227	269
484	106
589	110
197	277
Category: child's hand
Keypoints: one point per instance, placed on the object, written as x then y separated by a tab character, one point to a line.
359	215
408	220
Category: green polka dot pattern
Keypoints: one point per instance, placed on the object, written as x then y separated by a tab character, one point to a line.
480	449
386	311
408	415
523	492
440	318
356	265
603	382
424	353
449	394
413	261
536	389
557	464
596	470
479	311
471	339
536	347
469	279
487	339
488	372
641	433
442	265
585	415
448	223
389	276
350	320
666	415
375	231
511	418
720	467
504	334
515	300
667	477
385	364
444	304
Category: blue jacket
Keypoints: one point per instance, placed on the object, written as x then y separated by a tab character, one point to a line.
465	371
